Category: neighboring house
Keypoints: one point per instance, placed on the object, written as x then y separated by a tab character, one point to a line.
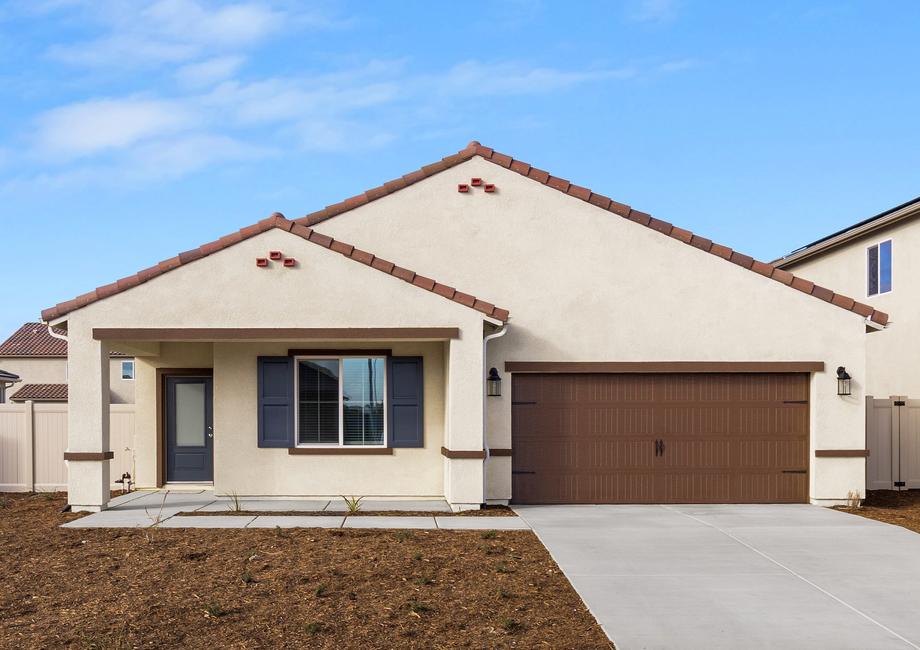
40	361
877	261
347	352
7	381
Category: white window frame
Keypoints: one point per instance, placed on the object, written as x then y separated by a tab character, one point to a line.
341	443
133	369
878	245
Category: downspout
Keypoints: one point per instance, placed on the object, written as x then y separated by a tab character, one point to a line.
54	334
485	400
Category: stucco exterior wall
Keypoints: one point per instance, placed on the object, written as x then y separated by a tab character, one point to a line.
53	370
893	354
585	285
227	290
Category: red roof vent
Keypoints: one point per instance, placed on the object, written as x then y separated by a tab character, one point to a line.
289	262
261	262
475	182
275	255
463	188
489	188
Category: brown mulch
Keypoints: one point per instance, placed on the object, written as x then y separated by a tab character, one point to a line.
180	588
489	511
899	508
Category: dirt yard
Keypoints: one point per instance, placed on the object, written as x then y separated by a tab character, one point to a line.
117	589
900	508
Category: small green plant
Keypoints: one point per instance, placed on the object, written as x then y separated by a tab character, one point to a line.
353	504
404	535
4	503
320	590
510	625
236	504
489	534
247	578
504	593
424	580
503	568
314	628
418	608
417	556
214	610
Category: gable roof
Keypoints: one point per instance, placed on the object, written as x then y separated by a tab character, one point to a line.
865	227
771	271
41	393
33	340
278	220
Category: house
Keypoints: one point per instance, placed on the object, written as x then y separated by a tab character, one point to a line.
875	259
481	331
40	361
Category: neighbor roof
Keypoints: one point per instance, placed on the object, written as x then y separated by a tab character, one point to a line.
278	220
33	340
545	178
41	393
8	376
866	226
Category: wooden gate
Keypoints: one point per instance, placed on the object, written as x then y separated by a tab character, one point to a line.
893	441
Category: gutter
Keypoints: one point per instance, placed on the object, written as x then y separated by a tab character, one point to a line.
54	334
485	397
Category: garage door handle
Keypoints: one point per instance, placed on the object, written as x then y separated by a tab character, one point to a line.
662	447
659	447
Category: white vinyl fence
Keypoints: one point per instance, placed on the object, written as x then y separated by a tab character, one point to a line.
893	441
33	439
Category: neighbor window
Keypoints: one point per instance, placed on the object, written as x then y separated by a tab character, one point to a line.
340	401
879	268
127	370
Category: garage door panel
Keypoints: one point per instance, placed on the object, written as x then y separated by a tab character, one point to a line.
728	438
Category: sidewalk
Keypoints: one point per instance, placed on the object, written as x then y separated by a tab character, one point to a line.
144	509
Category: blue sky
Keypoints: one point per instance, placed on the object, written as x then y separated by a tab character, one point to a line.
130	131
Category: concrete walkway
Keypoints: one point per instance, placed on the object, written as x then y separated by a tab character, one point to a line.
738	576
144	509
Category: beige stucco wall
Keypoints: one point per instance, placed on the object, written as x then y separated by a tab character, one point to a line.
53	370
324	290
893	354
585	285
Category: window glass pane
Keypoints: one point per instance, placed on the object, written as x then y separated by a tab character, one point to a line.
872	263
363	395
884	266
318	401
127	370
190	409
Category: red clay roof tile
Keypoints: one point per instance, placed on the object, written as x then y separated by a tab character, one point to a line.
33	340
41	393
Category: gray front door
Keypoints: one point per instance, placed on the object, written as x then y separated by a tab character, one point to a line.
189	429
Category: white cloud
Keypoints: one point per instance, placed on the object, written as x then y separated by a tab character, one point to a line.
654	11
209	71
169	32
95	126
678	66
474	78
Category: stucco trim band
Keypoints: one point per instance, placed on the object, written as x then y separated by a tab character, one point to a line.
841	453
478	454
664	366
89	455
272	333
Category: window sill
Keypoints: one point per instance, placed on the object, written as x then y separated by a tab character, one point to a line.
340	451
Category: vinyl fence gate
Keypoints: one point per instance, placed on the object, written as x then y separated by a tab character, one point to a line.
893	441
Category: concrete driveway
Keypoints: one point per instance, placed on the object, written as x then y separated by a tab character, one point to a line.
753	576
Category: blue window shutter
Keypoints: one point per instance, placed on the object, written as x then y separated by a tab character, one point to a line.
406	407
276	402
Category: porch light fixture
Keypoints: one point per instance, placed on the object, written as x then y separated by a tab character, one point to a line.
843	381
494	384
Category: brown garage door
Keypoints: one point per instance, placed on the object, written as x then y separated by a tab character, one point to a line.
656	438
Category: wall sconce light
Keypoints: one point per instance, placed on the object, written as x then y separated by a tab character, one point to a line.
494	384
843	381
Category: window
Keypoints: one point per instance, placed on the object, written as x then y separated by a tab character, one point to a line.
878	263
340	401
127	370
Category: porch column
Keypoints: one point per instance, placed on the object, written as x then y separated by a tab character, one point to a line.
88	452
463	476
